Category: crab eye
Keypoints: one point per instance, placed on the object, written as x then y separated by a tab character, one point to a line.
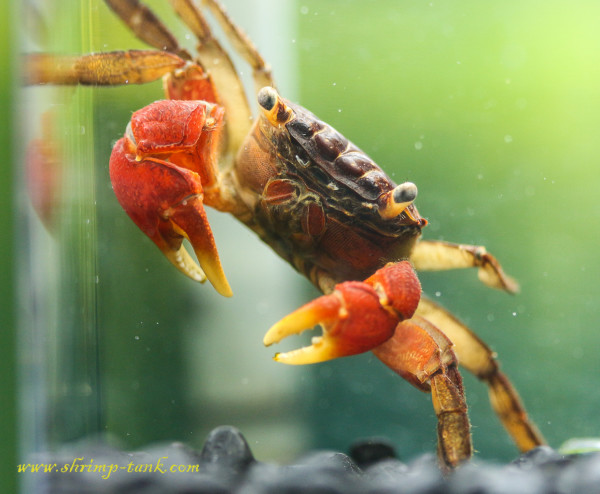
406	192
276	111
267	98
393	202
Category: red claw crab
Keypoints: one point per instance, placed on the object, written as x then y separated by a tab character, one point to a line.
313	196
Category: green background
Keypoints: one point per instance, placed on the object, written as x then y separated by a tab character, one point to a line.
491	109
8	434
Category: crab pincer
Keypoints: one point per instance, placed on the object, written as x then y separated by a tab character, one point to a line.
162	174
356	317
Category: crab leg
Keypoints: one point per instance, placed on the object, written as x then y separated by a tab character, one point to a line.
356	317
147	26
216	62
437	256
475	356
100	69
422	354
244	46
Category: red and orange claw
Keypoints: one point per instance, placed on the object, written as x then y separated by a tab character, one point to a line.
159	180
356	317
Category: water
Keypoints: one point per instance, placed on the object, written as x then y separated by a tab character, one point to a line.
113	341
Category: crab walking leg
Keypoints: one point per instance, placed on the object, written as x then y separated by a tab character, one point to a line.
422	354
147	26
476	357
261	71
216	62
99	69
454	428
437	256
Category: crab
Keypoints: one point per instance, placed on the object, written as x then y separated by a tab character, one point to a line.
310	194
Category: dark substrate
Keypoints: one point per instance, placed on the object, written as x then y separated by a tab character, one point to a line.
227	465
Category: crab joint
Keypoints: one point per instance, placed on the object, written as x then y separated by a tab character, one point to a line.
395	201
274	108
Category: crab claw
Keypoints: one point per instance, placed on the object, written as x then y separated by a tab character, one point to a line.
164	197
356	317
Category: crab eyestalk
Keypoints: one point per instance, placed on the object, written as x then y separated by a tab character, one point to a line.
273	106
397	200
356	317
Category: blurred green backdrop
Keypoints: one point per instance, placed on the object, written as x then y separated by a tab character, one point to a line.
491	109
8	433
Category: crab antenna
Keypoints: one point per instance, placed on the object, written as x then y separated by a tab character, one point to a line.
393	202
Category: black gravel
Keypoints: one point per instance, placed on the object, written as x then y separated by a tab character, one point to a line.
226	465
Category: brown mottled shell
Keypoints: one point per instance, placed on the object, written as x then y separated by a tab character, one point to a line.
314	198
343	162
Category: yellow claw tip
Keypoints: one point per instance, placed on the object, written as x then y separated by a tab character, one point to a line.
211	265
182	260
306	317
222	287
325	310
272	335
322	350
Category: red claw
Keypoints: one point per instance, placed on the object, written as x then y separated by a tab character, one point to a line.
159	172
356	317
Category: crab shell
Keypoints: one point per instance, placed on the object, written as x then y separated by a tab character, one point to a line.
317	199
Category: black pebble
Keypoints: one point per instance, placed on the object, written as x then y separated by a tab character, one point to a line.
370	451
227	448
